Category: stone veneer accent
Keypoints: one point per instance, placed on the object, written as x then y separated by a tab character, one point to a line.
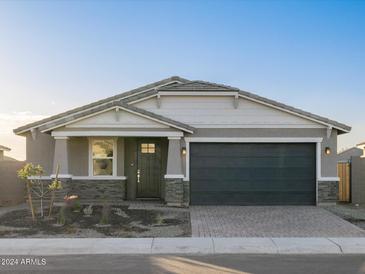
174	192
327	192
186	200
95	191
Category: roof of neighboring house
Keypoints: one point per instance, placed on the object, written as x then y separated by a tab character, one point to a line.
172	84
346	154
119	104
4	148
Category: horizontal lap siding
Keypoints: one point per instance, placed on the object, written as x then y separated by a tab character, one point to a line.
252	173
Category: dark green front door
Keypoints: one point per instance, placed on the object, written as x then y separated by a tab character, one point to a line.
148	168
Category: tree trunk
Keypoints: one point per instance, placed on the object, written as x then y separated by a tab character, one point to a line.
30	201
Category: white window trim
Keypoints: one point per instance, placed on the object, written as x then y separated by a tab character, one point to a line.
115	151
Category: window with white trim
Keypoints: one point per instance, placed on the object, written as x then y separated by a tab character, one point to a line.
103	153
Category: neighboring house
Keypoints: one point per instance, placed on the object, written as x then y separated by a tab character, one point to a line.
362	147
351	167
345	156
190	142
2	151
12	190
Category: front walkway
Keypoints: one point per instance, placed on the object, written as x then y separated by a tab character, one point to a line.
269	221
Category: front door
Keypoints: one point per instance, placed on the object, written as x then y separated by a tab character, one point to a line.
148	168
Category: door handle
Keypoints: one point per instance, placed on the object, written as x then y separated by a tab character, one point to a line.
138	175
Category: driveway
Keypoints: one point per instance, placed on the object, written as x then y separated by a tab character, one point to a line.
269	221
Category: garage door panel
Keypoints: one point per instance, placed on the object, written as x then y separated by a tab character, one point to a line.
230	173
249	185
246	162
254	198
251	173
237	150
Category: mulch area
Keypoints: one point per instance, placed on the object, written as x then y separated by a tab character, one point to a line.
119	221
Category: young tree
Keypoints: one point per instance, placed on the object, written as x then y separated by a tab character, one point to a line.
32	174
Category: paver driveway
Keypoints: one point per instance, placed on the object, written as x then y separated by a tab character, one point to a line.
269	221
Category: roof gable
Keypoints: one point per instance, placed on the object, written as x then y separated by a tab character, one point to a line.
118	105
179	85
129	94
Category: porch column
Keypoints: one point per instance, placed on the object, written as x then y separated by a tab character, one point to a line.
61	156
174	188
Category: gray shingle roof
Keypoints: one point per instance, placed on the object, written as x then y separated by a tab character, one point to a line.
123	105
174	83
133	92
197	86
208	86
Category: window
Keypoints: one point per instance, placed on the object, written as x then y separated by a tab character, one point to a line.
148	148
103	157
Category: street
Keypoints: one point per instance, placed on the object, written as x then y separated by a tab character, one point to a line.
293	264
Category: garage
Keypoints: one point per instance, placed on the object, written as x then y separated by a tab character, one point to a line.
252	173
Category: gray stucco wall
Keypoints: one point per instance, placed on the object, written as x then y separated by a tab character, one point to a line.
358	180
329	162
40	150
78	156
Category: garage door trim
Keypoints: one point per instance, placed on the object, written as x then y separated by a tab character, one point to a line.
318	142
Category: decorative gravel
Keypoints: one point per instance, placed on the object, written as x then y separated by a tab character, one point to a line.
351	213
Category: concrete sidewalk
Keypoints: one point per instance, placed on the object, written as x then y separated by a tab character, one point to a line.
69	246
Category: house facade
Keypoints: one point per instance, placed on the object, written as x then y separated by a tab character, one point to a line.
190	142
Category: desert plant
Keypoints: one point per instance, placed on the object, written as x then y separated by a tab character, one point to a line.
159	219
61	220
53	187
105	215
88	211
76	207
32	175
119	212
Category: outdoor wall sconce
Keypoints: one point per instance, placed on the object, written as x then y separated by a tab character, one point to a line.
327	151
183	151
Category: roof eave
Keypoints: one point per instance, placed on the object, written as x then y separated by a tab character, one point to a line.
23	129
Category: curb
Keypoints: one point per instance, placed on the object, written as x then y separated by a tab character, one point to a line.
150	246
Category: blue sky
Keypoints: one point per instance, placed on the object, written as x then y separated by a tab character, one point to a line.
58	55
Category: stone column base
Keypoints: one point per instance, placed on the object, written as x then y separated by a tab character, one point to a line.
174	192
327	192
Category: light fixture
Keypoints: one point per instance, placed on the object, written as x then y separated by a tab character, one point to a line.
327	151
183	151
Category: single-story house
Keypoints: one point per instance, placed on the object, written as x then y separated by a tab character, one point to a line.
2	152
190	142
345	155
351	170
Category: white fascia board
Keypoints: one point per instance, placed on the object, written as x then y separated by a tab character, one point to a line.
127	96
328	179
292	112
119	108
123	178
155	119
106	133
252	140
174	176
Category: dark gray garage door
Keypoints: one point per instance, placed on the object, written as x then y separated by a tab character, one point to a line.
252	174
